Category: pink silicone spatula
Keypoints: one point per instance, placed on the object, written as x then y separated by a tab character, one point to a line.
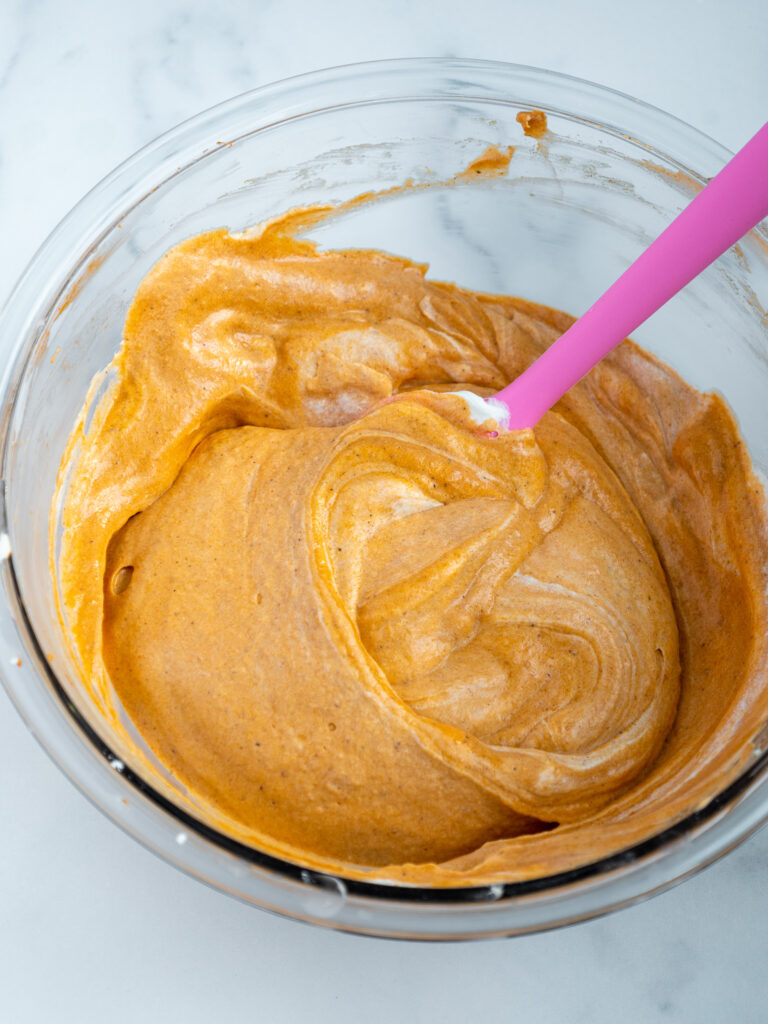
728	207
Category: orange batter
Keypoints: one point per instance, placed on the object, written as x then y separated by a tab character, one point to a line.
365	636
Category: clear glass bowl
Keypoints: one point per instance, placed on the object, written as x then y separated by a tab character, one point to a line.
573	211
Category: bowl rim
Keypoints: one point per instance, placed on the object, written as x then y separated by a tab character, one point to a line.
22	319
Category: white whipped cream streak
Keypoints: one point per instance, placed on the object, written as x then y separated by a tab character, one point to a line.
483	409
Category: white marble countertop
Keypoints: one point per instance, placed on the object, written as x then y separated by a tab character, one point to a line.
92	926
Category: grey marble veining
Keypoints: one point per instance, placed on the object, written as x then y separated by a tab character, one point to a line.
92	927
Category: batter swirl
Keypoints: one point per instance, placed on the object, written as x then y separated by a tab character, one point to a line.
371	638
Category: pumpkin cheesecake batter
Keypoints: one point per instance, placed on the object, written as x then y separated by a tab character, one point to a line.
365	635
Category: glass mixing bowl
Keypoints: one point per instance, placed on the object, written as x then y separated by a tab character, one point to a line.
575	208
